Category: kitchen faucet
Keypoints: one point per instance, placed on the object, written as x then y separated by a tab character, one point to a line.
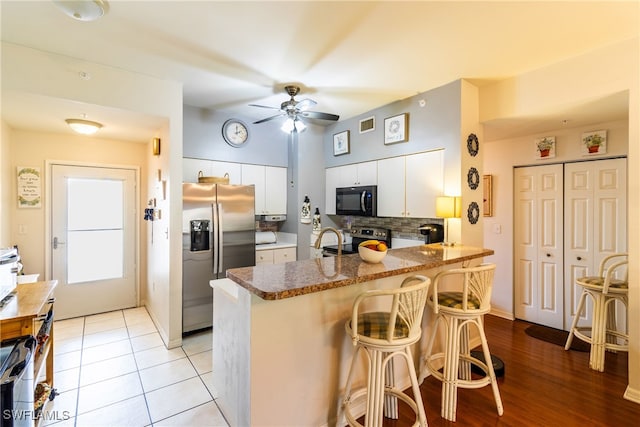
319	239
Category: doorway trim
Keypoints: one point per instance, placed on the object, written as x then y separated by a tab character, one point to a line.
47	213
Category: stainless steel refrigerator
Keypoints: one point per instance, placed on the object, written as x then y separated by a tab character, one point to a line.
218	233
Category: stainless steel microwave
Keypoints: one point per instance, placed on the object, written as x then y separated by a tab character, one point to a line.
357	201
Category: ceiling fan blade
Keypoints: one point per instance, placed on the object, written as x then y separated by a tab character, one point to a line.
318	115
264	106
305	103
269	118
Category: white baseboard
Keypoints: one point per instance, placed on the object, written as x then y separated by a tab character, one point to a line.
632	394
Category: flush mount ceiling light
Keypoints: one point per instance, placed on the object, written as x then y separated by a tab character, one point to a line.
85	127
83	10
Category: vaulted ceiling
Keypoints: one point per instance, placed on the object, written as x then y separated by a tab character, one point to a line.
349	56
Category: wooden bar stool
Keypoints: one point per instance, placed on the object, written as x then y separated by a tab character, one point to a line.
383	335
458	310
604	289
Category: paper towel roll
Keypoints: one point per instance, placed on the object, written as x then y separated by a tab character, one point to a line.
264	237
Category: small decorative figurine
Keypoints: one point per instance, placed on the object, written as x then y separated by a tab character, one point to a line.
305	217
316	220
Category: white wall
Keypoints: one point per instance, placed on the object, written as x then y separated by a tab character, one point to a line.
5	179
502	156
34	149
570	81
23	70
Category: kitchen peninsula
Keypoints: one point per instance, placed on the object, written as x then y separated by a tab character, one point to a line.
280	351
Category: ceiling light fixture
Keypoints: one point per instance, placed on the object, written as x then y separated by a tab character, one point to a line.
293	123
83	10
85	127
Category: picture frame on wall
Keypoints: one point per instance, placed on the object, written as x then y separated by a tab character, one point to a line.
594	143
341	143
487	196
545	147
396	129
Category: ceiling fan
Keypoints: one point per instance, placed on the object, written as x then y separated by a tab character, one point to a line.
295	110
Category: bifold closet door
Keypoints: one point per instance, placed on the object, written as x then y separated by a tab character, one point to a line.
595	223
538	244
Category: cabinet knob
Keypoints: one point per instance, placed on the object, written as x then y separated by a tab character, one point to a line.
579	258
548	255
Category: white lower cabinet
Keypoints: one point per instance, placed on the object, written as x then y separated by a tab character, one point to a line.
275	256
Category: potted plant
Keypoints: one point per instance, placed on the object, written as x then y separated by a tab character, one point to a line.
593	142
544	146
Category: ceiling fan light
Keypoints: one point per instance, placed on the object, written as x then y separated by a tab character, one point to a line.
82	10
300	126
288	125
85	127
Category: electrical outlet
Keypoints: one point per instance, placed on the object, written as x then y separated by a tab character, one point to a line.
497	228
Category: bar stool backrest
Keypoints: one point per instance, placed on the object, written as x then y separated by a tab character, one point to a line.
472	293
405	312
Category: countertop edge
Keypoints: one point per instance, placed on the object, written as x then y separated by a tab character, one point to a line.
318	287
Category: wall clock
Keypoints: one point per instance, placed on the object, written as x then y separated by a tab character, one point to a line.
473	178
473	212
472	144
235	133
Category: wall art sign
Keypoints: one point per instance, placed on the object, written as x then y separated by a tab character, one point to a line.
29	184
545	147
396	129
594	143
341	143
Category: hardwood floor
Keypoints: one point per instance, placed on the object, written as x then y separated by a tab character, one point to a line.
543	385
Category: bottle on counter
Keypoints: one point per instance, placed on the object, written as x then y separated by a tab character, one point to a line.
316	220
305	216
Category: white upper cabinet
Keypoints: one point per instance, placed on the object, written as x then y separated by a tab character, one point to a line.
348	176
270	186
358	174
191	168
408	185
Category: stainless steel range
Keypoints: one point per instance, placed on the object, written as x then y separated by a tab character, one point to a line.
359	235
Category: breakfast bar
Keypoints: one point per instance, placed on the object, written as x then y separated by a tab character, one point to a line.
280	351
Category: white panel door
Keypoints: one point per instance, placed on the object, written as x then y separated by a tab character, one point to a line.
595	223
538	210
93	229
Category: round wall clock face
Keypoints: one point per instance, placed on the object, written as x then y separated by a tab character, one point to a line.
235	132
473	178
473	212
472	144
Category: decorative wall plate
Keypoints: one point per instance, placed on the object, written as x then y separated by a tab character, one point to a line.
473	178
472	144
473	212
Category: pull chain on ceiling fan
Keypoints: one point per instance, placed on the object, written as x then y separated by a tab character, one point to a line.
294	111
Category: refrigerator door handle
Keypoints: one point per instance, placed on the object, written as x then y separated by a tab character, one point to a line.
221	267
214	238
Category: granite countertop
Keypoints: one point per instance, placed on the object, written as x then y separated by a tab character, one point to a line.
279	281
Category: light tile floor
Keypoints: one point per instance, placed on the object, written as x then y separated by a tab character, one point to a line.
112	369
